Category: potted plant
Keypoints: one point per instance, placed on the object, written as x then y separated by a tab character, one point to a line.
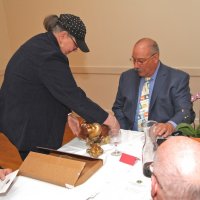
188	129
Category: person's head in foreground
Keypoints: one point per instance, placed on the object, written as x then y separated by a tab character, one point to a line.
176	170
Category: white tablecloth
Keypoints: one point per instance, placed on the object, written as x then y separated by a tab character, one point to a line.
114	180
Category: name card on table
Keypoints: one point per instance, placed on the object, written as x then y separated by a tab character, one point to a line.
128	159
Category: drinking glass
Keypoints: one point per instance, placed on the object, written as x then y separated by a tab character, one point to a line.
149	147
115	139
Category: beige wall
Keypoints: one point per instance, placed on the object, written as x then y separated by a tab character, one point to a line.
113	26
4	40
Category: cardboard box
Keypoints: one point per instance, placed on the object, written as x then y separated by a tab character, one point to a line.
60	168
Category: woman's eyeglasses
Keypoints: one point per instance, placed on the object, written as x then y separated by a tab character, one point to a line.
74	41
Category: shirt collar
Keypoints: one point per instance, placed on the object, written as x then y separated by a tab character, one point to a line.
155	73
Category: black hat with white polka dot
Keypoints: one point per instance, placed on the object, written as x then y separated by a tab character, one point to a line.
76	28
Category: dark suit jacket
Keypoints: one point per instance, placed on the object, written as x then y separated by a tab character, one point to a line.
171	99
37	94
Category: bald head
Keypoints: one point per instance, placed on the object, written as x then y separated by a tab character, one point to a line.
177	168
147	44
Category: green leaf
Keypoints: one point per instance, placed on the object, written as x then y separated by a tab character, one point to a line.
186	129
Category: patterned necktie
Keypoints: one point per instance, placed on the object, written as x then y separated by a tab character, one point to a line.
143	104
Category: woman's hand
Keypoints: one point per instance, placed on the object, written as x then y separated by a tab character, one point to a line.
74	124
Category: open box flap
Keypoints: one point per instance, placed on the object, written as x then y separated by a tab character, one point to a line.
52	169
60	168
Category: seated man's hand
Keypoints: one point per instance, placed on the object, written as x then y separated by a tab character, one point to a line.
164	129
4	172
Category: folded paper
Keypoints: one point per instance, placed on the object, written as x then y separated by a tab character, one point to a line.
128	159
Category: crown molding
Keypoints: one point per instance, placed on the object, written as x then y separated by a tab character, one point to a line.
116	70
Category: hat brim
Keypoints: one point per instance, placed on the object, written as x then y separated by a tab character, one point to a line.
82	45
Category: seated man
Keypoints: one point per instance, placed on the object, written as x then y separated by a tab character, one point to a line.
176	170
4	172
167	99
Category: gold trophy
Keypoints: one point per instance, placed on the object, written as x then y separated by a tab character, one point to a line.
95	136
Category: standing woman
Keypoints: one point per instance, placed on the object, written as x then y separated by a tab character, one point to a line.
39	90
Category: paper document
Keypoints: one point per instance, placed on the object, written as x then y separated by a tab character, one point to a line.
4	185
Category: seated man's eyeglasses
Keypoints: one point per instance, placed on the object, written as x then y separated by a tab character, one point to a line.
141	61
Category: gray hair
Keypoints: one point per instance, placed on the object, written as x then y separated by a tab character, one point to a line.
51	24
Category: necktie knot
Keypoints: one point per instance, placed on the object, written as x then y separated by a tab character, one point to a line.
147	79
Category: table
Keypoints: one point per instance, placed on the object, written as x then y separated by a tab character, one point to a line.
114	180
